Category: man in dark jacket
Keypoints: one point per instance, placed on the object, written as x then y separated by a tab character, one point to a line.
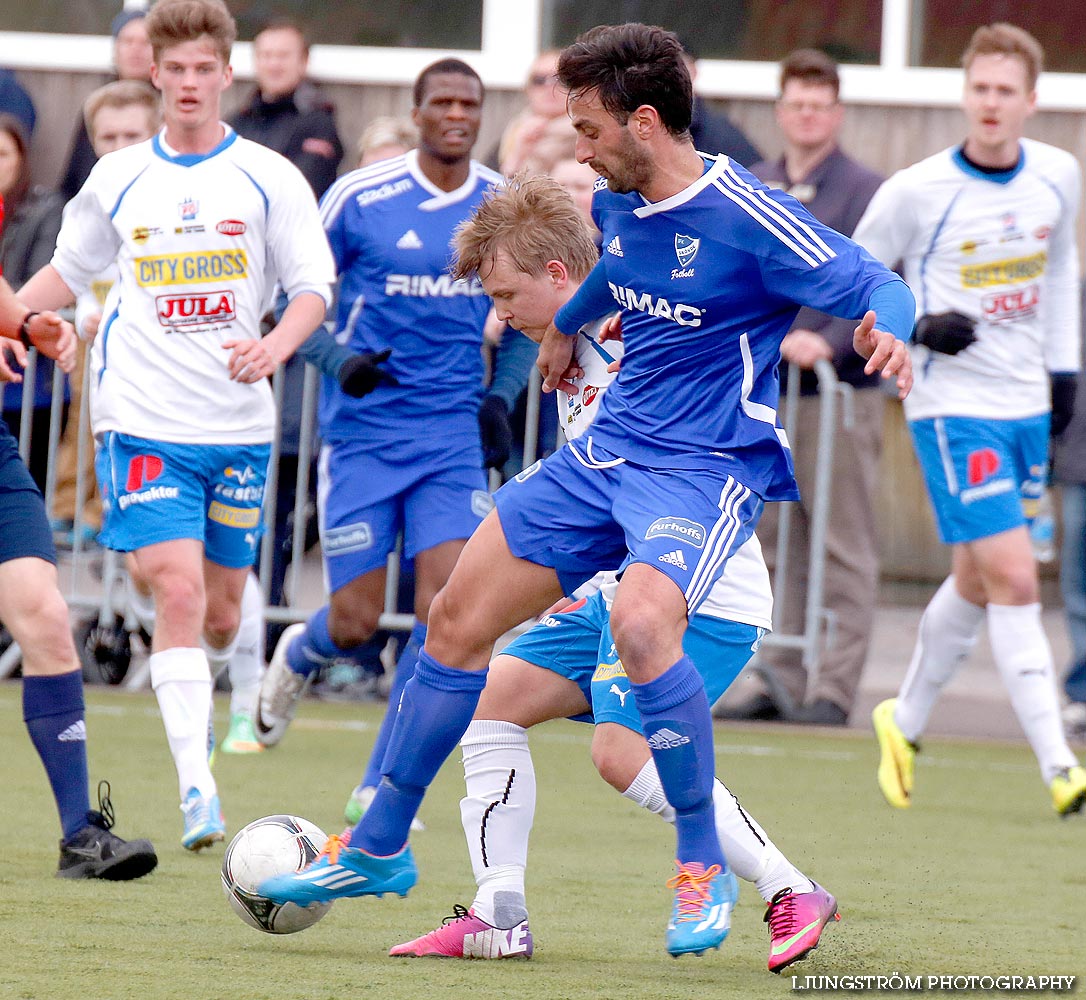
287	112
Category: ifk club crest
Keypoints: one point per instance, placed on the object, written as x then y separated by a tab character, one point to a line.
686	249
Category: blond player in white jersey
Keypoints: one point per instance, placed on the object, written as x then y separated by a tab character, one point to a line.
568	662
201	223
986	232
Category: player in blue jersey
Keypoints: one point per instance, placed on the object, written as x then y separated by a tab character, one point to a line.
708	267
406	457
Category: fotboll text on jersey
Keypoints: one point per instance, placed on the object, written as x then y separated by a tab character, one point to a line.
681	313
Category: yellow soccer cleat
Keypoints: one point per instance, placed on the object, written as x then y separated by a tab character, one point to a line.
1069	790
895	772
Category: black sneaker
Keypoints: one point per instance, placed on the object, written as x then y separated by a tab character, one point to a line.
96	852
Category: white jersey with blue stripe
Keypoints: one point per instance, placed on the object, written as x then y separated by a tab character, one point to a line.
999	248
199	241
390	229
708	282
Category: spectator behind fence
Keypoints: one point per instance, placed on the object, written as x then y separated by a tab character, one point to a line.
986	233
116	115
16	101
287	112
546	102
131	61
713	131
1069	470
385	137
836	190
29	235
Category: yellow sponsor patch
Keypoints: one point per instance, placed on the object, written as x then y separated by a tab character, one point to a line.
233	517
1012	271
608	671
190	268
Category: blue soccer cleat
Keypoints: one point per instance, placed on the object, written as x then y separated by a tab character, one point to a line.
339	872
204	824
704	899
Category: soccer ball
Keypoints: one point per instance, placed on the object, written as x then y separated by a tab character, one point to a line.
274	845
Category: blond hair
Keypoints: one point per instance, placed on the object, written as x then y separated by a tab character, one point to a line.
172	22
532	220
386	130
1002	39
123	94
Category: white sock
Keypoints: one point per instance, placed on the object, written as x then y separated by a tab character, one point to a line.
948	631
750	853
182	684
142	605
247	664
497	814
1021	651
218	659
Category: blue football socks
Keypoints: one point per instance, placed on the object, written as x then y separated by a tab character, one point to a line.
678	725
405	669
437	705
314	649
53	713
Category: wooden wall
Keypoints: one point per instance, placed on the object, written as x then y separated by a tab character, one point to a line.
886	138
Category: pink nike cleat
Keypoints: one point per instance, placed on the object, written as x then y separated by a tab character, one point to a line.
795	924
464	935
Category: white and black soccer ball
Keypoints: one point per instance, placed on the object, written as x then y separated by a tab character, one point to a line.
274	845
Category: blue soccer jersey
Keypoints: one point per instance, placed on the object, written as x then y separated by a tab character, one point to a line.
390	230
709	282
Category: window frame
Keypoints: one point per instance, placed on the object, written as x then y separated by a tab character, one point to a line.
511	35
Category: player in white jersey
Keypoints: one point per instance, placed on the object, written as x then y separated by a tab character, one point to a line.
569	662
201	223
986	232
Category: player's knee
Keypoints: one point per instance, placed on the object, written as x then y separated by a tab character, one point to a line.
221	622
354	626
179	598
456	625
610	767
44	633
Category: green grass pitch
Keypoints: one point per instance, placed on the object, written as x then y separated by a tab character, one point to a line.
979	877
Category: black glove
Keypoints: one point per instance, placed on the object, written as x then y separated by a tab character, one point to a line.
1063	386
495	432
947	333
359	376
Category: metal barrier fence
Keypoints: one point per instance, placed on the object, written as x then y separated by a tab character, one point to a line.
93	579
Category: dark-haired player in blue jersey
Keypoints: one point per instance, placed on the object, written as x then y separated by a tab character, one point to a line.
707	266
406	457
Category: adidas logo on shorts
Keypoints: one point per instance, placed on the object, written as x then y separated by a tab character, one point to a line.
674	558
615	247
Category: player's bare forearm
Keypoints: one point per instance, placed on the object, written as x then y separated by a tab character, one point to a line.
553	362
253	359
885	353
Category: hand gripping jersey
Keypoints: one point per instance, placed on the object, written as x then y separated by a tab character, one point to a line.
743	593
390	230
999	248
199	241
708	282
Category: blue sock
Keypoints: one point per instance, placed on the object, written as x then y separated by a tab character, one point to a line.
437	705
53	713
679	727
314	648
405	670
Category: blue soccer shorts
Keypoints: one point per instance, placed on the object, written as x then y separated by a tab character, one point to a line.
979	471
367	499
24	528
582	510
160	491
576	643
